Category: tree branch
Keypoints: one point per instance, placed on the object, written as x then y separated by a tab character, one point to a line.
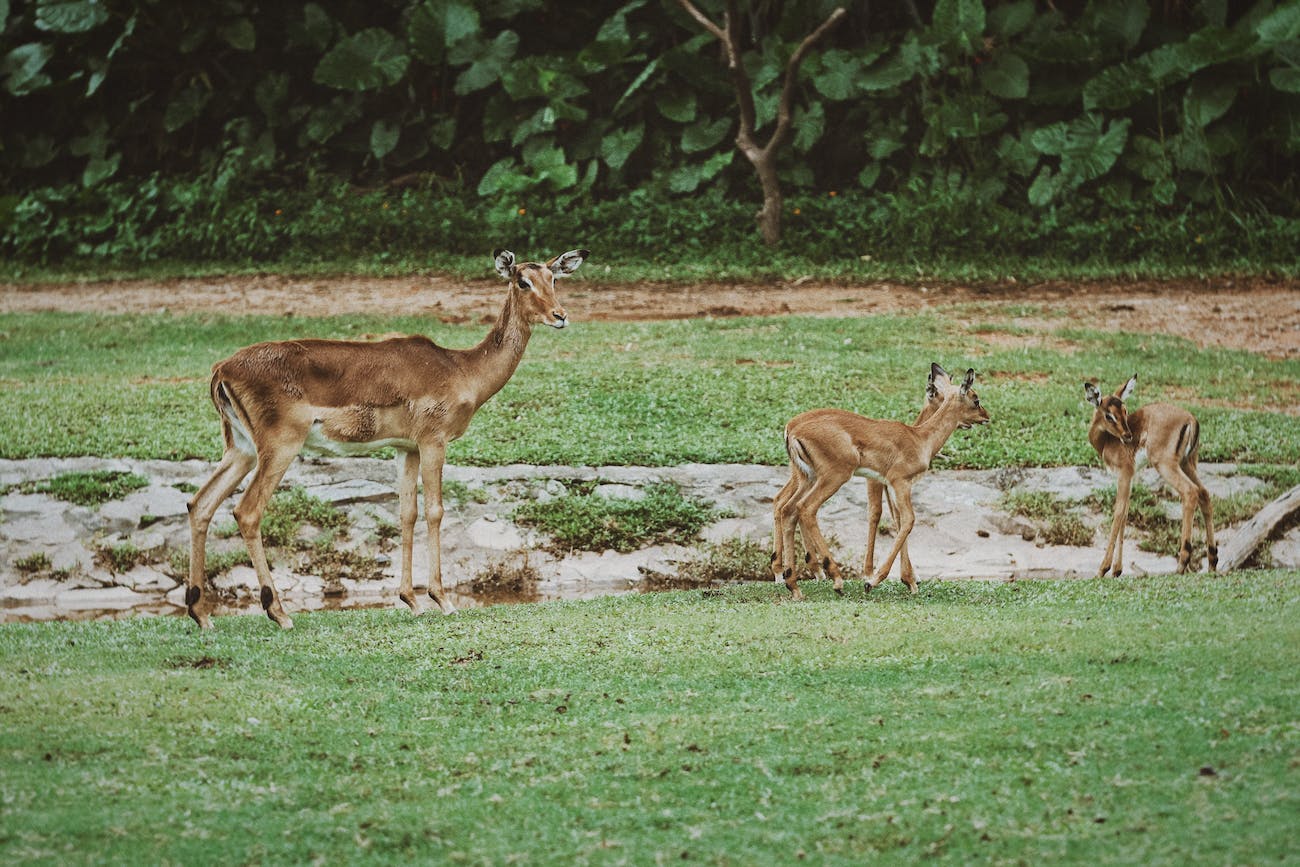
784	115
704	20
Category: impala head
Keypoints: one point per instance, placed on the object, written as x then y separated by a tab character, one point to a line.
941	387
535	283
1110	414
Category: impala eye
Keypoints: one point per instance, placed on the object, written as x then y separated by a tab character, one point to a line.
524	283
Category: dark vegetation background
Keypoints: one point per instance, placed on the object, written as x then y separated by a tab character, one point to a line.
1112	134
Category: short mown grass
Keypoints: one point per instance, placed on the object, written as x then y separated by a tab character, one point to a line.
1105	721
651	393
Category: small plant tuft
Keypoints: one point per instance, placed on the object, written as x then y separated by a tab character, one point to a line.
91	488
33	563
595	523
712	564
1058	525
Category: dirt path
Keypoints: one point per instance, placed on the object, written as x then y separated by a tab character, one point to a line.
1255	314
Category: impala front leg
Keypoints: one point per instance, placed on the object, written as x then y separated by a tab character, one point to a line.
905	519
431	462
408	510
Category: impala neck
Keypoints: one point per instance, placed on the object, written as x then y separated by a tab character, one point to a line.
936	429
493	361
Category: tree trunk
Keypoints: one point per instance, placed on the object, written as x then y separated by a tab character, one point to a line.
769	216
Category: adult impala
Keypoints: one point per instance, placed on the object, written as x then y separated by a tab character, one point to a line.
828	446
1170	439
347	397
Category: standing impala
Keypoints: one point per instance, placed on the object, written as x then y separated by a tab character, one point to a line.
827	446
345	397
1170	437
939	385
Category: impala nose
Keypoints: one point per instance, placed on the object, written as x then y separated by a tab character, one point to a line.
561	319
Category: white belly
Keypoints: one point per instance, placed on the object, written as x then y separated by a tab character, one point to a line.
318	443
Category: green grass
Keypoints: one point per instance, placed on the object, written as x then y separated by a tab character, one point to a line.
645	393
1110	721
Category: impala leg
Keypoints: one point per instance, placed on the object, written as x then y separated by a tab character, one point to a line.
271	467
905	519
432	458
229	473
818	551
875	494
907	573
408	509
1117	528
1207	513
780	522
1189	494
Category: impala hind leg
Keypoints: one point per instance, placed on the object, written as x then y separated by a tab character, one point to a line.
1207	514
783	527
431	463
408	476
272	464
234	466
810	502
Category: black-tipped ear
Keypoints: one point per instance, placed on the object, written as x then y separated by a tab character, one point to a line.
1123	393
936	370
968	381
1090	391
504	261
567	263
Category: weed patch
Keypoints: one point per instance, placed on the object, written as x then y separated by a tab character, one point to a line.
33	563
91	488
1058	525
588	522
513	579
120	558
290	510
714	563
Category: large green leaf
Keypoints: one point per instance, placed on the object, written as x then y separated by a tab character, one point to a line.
185	106
436	25
22	68
1010	19
384	135
959	23
488	63
1087	150
239	34
809	123
367	60
70	16
1207	100
100	168
1121	20
1281	25
705	134
1006	75
838	75
617	147
677	104
1285	79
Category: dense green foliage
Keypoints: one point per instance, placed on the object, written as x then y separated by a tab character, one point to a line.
658	393
1114	721
590	522
1108	129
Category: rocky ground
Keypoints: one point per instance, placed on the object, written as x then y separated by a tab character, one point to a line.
961	533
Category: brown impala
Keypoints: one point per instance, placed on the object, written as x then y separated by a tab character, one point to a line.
1170	438
344	397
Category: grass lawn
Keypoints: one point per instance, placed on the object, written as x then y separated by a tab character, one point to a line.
652	393
1120	720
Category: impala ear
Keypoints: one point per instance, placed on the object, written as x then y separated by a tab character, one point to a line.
1124	392
567	263
968	381
505	262
937	371
1090	391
